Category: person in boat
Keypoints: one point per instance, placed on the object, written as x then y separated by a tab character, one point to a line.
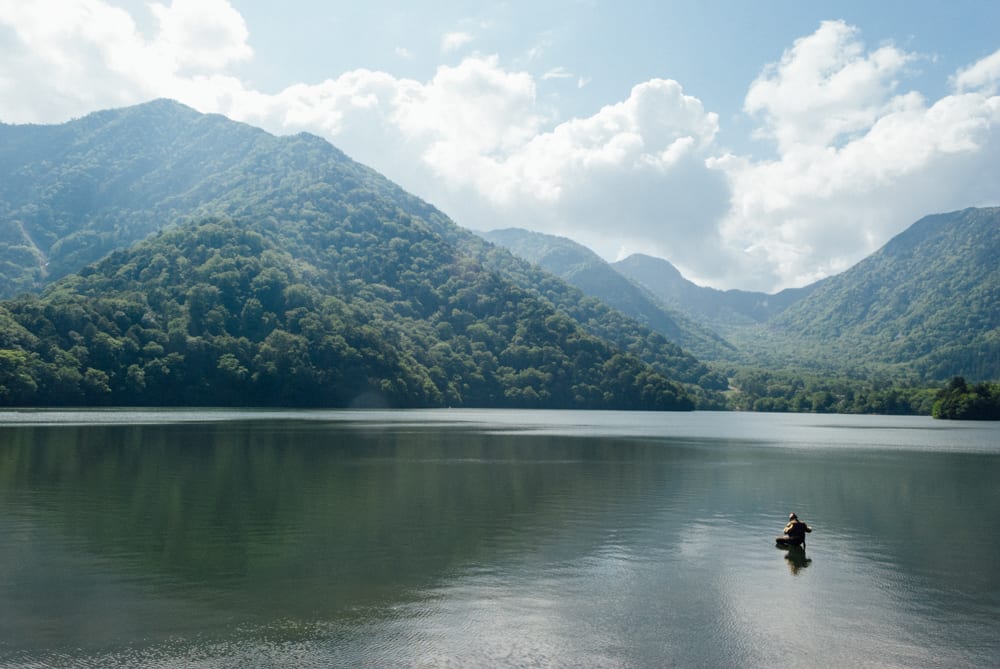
795	530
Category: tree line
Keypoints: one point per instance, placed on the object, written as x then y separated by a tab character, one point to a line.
960	400
216	313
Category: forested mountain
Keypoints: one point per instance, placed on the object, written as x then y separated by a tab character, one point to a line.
288	275
928	300
719	309
589	272
70	193
275	270
924	308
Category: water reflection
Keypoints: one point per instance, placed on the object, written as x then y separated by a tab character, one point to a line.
796	558
285	521
349	543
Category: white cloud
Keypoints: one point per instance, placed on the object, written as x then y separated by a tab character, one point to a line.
404	53
200	34
825	87
69	57
857	159
455	41
474	108
63	59
537	50
633	174
654	129
984	75
558	73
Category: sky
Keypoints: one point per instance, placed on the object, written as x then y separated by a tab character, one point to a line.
754	145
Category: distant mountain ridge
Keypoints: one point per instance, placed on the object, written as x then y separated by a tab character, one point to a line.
653	291
926	305
587	271
720	309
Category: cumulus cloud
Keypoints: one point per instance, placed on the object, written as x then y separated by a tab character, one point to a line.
857	156
65	58
53	53
200	34
825	87
454	41
983	75
634	175
857	159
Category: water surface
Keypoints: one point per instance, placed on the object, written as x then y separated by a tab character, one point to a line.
495	538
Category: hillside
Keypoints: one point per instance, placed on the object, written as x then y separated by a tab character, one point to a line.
584	269
338	262
721	310
217	313
70	193
928	300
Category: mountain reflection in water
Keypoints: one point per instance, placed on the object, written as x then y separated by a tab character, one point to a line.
494	539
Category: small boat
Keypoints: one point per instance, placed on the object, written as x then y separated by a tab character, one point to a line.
794	533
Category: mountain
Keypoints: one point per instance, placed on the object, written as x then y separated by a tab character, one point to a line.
925	307
586	270
720	310
70	193
281	272
929	300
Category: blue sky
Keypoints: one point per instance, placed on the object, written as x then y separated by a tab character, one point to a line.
714	49
754	145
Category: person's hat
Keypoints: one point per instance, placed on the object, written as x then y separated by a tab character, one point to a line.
792	515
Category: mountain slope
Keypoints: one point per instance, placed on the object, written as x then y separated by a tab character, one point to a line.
143	168
217	313
72	192
584	269
929	299
506	333
719	309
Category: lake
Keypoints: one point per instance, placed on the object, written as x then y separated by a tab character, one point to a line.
495	539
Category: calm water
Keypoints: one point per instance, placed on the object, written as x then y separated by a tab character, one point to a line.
495	539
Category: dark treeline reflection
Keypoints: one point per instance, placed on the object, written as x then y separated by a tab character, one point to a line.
307	518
